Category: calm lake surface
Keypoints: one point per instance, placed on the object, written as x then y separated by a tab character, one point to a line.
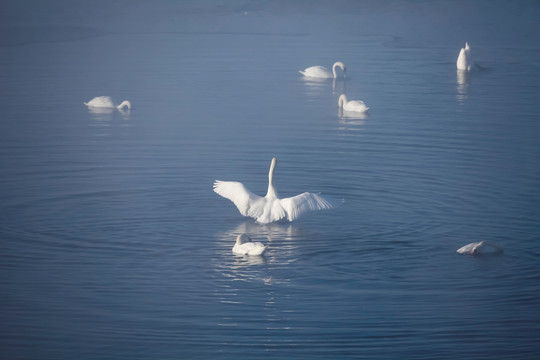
114	246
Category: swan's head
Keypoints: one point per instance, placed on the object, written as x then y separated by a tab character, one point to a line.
342	100
242	239
341	65
274	162
124	104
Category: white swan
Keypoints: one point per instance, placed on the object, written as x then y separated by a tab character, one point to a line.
245	246
353	105
106	102
480	248
322	72
270	208
464	61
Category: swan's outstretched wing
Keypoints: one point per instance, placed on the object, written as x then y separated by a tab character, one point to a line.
237	193
299	204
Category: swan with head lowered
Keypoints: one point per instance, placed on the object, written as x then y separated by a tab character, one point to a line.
322	72
106	102
244	246
353	105
480	248
270	208
464	61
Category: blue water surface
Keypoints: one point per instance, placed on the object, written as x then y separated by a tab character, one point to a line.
114	246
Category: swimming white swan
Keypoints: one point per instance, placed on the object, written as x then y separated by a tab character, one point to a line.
270	208
464	61
106	102
353	105
322	72
480	248
245	246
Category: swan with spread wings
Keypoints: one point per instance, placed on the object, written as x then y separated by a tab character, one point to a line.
270	208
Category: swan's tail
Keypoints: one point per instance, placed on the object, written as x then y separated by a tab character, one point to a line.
302	72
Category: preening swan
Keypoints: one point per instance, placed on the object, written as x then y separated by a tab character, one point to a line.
322	72
270	208
106	102
464	61
245	246
480	248
353	105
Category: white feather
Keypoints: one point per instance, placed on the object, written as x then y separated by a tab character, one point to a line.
464	61
237	193
244	246
297	205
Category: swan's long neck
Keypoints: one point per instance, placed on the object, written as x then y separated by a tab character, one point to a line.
342	100
336	64
241	239
124	103
271	190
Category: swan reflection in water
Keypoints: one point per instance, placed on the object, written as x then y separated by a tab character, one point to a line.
282	249
351	120
317	86
463	82
107	113
245	280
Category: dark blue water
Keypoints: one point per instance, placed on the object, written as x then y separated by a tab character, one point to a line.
114	246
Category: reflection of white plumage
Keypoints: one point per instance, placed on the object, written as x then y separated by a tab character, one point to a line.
245	246
464	61
322	72
353	105
106	102
270	208
480	248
